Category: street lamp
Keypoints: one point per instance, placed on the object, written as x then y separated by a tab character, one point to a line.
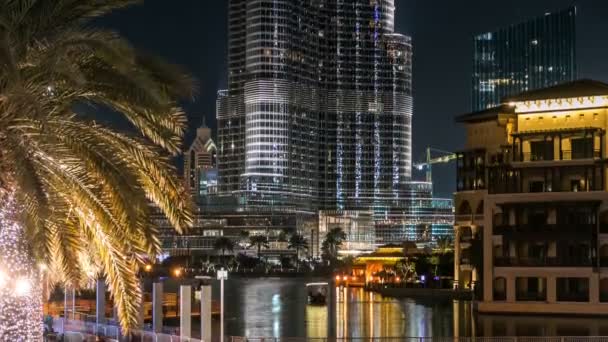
221	276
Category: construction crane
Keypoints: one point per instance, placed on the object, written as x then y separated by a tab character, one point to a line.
434	156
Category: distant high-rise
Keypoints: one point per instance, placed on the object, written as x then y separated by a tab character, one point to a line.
200	164
531	55
318	110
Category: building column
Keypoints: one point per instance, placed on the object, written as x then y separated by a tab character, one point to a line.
185	311
206	313
69	303
594	288
100	302
511	288
488	250
157	307
551	289
457	280
331	311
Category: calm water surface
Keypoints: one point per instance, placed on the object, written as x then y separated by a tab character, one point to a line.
278	308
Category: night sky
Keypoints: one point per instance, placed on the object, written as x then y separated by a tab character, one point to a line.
192	33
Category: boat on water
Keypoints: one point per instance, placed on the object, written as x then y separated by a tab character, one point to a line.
317	293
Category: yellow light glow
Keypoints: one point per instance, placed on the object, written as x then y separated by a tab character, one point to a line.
345	278
337	278
148	268
177	272
561	104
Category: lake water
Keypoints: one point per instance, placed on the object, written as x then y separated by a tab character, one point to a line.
278	308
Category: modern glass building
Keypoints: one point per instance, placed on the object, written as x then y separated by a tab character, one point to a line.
317	114
200	165
531	55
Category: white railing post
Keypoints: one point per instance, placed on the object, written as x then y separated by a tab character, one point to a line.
185	311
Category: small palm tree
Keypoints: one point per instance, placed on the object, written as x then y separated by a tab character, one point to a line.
444	244
298	243
332	243
75	189
223	244
406	269
259	242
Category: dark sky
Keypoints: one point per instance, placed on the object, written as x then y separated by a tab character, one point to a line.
192	33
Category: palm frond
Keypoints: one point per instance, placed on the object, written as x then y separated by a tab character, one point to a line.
87	190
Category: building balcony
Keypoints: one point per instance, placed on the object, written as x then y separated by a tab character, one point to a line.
573	297
542	262
577	229
604	261
531	296
565	156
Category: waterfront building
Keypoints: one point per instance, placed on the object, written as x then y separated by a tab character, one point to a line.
417	217
200	164
215	219
532	202
534	54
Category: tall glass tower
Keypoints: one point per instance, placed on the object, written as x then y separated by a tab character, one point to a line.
531	55
318	111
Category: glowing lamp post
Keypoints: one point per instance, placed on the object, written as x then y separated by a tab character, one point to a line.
221	276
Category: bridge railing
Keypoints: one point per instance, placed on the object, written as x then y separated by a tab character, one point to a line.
427	339
81	331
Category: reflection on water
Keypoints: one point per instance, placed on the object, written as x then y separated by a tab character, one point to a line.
278	308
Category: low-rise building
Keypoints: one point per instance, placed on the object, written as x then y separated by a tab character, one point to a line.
532	202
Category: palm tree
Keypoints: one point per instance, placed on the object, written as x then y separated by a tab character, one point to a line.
406	269
243	238
258	241
73	189
444	244
223	244
298	243
333	241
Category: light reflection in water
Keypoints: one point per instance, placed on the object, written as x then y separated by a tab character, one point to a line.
278	308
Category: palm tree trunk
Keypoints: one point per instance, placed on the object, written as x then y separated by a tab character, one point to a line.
20	281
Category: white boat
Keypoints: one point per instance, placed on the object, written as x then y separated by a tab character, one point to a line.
317	293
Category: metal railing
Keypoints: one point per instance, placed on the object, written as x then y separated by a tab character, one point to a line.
426	339
81	331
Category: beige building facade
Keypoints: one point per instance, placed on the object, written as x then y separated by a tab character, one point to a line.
532	202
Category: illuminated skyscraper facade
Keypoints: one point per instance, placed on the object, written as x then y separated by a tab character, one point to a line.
317	114
531	55
200	164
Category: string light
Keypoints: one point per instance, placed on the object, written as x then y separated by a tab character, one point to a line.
20	290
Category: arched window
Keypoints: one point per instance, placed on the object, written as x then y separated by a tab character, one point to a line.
465	208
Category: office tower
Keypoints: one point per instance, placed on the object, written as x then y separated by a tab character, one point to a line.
531	202
200	164
531	55
317	114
